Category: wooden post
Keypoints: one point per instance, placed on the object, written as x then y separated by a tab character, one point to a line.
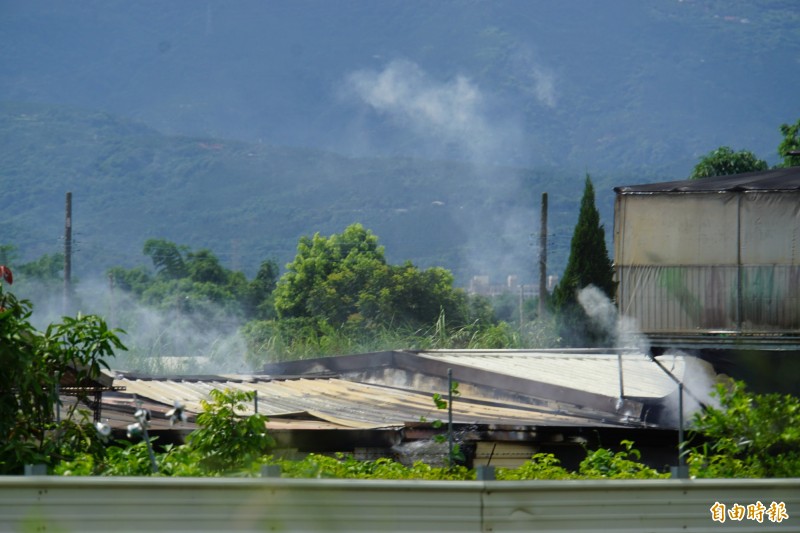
68	255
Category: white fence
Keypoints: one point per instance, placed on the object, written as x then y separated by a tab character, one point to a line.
62	504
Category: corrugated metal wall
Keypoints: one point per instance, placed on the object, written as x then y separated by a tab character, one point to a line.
206	504
698	263
692	299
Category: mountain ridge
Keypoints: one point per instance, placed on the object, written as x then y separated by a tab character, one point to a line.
251	202
622	85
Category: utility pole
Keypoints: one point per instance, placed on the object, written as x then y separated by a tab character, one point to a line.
111	298
543	257
68	255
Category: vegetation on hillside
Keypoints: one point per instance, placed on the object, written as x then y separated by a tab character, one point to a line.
563	84
251	201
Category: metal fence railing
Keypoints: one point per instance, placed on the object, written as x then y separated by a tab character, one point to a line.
64	504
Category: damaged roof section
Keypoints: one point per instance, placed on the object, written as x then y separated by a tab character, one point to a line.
344	404
591	387
381	404
394	389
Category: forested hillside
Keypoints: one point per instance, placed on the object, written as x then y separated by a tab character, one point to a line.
605	86
437	125
249	202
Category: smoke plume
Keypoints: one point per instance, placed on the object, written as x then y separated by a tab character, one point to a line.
452	117
697	376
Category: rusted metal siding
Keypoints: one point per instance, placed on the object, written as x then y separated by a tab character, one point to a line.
698	263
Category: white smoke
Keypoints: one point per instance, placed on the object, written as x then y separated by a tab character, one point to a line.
538	80
624	331
446	115
698	379
159	341
697	376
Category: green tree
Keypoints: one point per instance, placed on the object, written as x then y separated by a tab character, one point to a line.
167	258
790	143
748	435
725	162
134	280
328	275
260	301
413	297
227	440
203	267
345	278
34	363
588	264
186	281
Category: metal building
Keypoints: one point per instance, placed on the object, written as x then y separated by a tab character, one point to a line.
715	259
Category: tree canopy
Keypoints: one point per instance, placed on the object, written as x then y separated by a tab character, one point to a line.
194	280
724	162
345	278
789	148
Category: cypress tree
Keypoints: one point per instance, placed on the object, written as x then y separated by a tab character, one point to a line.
588	264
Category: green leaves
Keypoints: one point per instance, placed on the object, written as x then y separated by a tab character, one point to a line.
344	281
167	258
227	440
789	144
33	365
623	464
439	402
748	435
329	275
724	162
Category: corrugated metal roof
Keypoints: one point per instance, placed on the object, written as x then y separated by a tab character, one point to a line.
598	373
344	403
499	388
779	179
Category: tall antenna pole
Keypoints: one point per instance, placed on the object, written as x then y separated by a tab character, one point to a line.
68	254
543	257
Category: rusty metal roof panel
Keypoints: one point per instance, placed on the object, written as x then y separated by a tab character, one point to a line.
346	403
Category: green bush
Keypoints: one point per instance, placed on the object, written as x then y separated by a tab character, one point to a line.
749	435
226	441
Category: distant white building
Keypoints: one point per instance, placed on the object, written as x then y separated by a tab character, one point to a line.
482	285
